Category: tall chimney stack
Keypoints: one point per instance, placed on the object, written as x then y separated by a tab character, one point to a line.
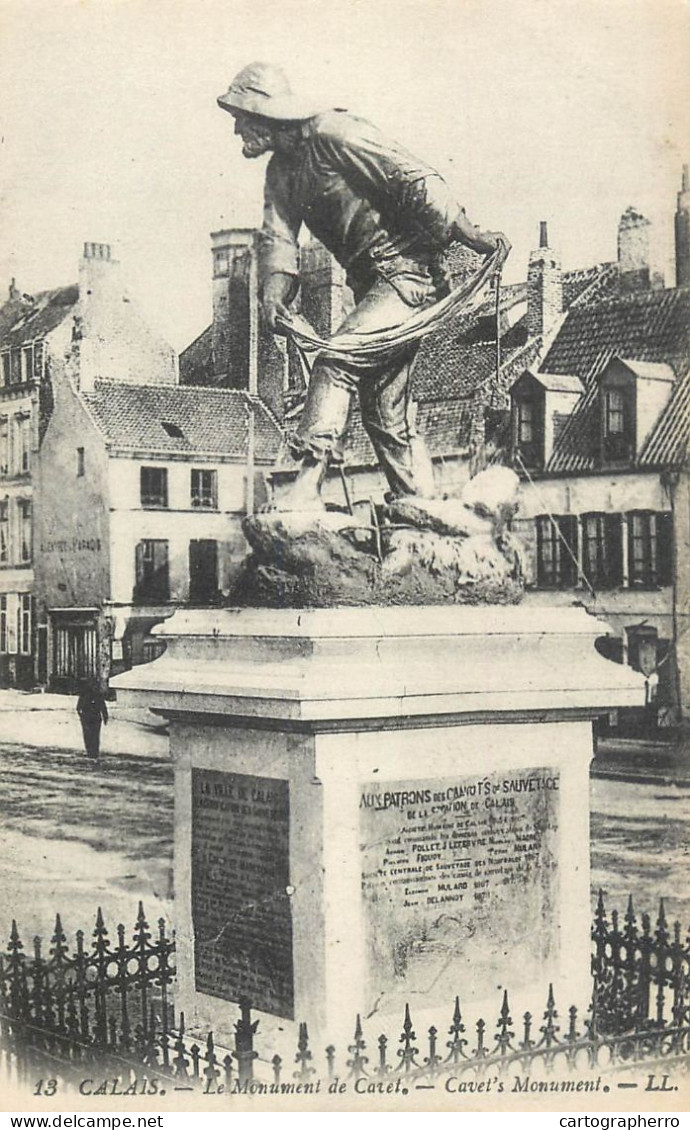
234	308
324	298
634	261
682	226
245	353
544	287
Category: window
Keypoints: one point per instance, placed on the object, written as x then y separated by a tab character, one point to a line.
80	462
173	430
649	549
4	445
38	360
3	625
618	430
27	363
6	368
615	412
152	577
22	443
4	531
556	551
204	489
154	486
24	623
528	430
15	366
602	550
25	540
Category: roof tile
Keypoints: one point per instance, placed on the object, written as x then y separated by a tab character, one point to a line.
212	421
652	326
23	321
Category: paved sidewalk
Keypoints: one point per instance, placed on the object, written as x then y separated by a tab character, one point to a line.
50	721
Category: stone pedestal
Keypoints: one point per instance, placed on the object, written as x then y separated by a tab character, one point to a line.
375	806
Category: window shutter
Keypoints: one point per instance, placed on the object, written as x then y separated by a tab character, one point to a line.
589	565
569	531
161	581
540	550
664	548
613	550
138	569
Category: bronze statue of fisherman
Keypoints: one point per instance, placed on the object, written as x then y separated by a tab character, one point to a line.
387	217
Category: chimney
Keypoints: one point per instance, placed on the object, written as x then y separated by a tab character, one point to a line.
100	291
15	292
235	308
325	299
544	287
682	225
99	274
634	260
245	355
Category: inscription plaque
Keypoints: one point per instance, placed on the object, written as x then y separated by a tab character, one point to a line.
240	889
459	875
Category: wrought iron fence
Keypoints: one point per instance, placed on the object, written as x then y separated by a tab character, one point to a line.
108	1009
640	974
108	994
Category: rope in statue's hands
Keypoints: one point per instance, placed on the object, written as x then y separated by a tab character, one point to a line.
370	345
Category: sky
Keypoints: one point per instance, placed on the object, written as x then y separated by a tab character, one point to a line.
532	109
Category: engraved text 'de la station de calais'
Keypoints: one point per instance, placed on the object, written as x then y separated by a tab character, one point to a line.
450	864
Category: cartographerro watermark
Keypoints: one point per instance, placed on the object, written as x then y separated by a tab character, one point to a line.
618	1121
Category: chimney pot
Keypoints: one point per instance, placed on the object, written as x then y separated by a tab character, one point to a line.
97	251
544	287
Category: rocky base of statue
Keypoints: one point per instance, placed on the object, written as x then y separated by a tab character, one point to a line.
413	551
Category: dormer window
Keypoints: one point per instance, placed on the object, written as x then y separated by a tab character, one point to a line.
618	440
632	397
529	439
541	405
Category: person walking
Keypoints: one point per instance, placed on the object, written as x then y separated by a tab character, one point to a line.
92	711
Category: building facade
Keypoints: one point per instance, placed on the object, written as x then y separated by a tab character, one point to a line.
122	493
141	490
599	435
34	335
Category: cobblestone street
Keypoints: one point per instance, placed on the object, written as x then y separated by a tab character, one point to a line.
74	835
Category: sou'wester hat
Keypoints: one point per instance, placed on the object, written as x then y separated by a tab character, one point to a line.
263	89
